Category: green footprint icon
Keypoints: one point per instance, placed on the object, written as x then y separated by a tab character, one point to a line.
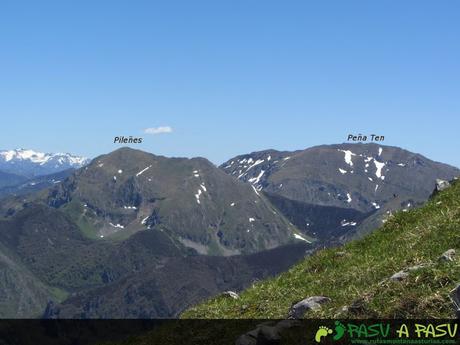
339	330
322	332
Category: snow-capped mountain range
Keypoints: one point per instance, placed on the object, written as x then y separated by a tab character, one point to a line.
31	163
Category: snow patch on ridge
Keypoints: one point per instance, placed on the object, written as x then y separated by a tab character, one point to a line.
297	236
143	170
348	156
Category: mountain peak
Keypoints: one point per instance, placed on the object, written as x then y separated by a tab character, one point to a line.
28	162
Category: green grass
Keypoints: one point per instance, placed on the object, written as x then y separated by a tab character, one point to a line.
357	273
75	211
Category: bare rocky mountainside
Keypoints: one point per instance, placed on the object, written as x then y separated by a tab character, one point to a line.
369	179
132	234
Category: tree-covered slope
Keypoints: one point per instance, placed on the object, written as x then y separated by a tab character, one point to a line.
356	277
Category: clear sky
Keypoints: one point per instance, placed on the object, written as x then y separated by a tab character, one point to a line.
229	77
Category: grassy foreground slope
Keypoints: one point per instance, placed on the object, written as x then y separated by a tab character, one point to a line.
356	276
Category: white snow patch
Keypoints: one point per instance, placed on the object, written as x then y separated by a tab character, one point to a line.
285	159
143	221
401	164
297	236
370	179
257	162
376	187
232	204
269	158
255	190
117	225
379	166
345	222
120	171
130	207
256	180
349	198
197	196
251	220
203	187
114	178
143	170
342	171
380	151
377	206
348	155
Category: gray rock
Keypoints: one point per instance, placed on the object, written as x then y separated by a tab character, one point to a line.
398	276
298	310
448	255
455	297
441	185
266	333
230	294
246	340
268	336
403	274
286	324
416	267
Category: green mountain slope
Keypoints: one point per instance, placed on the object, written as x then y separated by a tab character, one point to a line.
192	201
21	293
356	276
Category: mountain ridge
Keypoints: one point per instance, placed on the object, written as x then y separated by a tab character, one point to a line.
405	269
30	163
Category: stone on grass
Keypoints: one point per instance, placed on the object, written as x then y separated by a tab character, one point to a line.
441	185
448	255
299	309
230	294
398	276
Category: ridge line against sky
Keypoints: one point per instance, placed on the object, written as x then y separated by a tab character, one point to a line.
218	79
239	154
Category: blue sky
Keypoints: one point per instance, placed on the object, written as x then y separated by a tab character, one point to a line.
229	77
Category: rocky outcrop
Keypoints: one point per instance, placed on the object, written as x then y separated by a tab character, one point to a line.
299	309
403	274
455	297
267	333
441	185
230	294
448	255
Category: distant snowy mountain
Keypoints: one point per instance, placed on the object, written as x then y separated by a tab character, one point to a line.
31	163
